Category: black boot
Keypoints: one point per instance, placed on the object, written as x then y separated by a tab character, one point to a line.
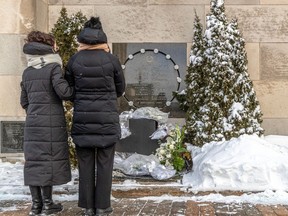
103	212
49	207
89	212
37	204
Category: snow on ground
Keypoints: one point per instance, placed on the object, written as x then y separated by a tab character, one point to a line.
247	163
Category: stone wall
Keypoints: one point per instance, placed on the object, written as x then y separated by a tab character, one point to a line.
264	24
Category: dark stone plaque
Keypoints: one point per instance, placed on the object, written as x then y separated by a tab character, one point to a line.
152	73
12	134
139	140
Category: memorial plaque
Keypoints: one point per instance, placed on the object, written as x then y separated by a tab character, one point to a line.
139	140
152	73
12	134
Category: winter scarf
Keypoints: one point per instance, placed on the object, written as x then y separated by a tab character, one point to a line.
103	46
39	61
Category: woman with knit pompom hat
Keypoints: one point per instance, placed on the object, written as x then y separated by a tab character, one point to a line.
98	80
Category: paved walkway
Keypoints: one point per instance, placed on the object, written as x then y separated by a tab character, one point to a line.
125	203
133	207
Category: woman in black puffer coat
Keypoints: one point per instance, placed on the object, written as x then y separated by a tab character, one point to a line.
46	149
98	80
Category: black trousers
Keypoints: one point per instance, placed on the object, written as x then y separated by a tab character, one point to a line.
95	190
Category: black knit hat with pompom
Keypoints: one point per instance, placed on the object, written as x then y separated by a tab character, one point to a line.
92	32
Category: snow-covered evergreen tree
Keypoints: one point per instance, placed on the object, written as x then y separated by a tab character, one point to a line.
193	78
209	120
195	81
227	106
244	114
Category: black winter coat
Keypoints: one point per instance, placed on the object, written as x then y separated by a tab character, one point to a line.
98	79
46	149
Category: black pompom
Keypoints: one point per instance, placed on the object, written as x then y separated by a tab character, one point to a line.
93	23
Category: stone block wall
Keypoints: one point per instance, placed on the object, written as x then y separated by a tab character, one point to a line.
264	24
16	19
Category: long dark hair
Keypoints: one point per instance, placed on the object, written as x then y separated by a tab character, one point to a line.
40	37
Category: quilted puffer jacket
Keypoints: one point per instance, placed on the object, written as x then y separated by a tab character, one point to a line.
98	80
46	149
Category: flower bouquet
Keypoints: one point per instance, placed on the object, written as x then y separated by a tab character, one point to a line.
173	151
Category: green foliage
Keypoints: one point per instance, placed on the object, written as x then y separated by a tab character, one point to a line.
174	153
178	162
65	31
181	98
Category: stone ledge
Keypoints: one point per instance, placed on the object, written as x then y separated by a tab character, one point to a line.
159	189
12	157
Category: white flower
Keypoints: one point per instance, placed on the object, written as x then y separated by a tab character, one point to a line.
169	139
168	164
168	156
162	152
171	146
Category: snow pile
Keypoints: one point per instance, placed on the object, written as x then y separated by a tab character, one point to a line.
248	163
